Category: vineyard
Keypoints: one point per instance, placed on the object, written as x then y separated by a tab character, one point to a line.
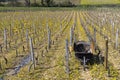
34	45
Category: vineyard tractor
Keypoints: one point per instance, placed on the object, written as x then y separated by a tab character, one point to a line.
87	53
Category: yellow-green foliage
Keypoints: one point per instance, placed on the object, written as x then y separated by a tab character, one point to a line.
92	2
98	72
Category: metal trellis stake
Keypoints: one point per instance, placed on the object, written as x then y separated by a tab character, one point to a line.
32	53
67	57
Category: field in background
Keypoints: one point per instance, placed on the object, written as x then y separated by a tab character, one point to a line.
92	2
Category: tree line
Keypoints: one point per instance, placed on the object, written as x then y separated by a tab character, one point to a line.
42	3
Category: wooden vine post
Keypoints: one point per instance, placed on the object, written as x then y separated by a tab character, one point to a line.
95	35
27	39
67	57
106	54
1	48
84	63
112	26
5	39
74	38
71	37
11	32
60	29
109	72
0	66
49	38
35	32
22	32
32	53
16	51
116	43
